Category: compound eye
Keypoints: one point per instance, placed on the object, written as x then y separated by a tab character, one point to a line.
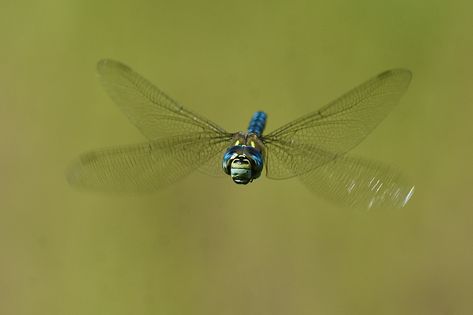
228	159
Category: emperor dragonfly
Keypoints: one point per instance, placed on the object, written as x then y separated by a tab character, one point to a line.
313	147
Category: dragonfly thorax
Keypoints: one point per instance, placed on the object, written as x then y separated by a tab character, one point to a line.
244	162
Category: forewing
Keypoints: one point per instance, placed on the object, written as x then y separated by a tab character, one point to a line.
143	167
154	113
336	128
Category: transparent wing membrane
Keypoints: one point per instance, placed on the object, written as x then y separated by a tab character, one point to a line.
314	146
181	141
359	183
144	167
341	125
154	113
213	165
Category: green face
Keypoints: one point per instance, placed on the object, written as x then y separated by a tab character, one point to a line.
241	170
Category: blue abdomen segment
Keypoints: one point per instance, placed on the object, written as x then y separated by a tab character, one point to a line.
257	123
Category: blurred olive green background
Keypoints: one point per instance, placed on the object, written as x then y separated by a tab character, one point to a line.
205	245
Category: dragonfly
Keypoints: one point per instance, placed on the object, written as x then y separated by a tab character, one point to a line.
314	148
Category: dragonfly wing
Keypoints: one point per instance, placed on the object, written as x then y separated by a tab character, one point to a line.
143	167
285	159
336	128
359	183
154	113
213	166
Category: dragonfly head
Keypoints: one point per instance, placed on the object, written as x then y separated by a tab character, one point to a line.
243	163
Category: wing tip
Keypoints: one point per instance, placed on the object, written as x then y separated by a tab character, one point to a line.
72	174
404	73
76	170
107	65
407	197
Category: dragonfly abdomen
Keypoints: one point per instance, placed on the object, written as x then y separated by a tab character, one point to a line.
257	123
